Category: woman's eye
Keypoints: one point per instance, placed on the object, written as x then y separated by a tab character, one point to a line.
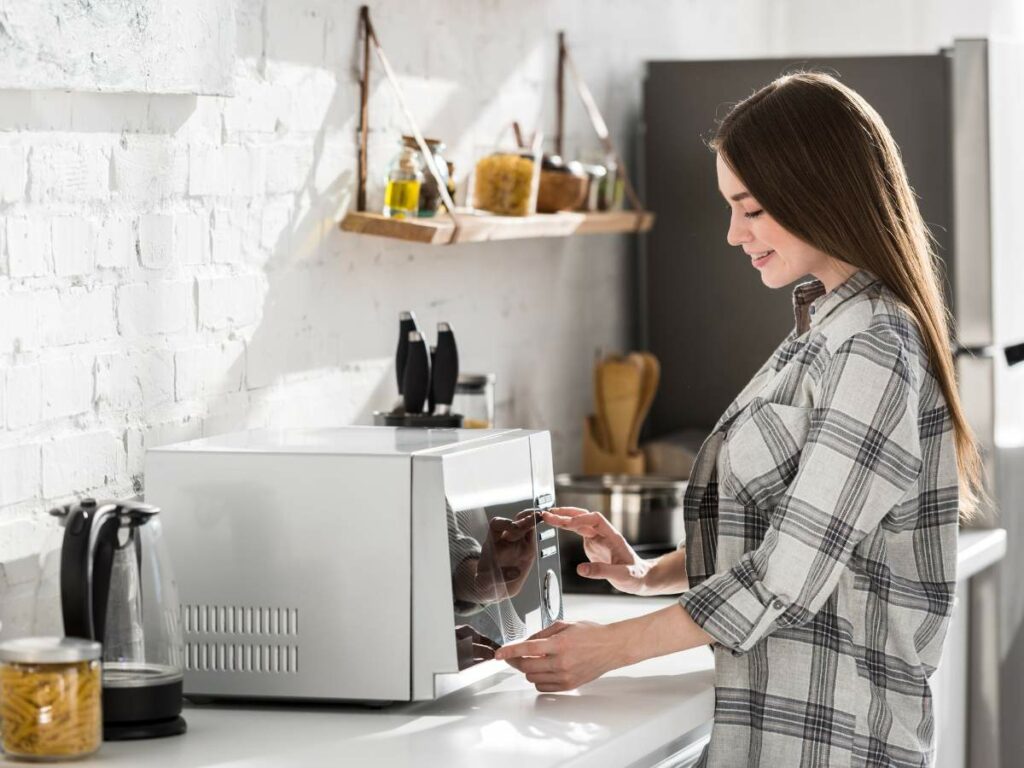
754	214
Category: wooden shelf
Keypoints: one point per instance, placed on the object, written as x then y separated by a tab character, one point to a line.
478	228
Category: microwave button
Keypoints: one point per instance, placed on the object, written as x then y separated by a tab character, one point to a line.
549	551
545	500
547	533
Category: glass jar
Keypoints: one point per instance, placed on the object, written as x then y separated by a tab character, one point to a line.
451	180
612	188
430	195
506	183
474	399
50	694
404	181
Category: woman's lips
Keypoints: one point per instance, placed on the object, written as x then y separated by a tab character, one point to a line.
760	261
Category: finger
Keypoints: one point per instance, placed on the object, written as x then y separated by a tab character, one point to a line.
532	647
541	678
603	571
584	520
569	524
541	666
557	687
566	511
553	629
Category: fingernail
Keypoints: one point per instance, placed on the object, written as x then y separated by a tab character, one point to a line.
583	569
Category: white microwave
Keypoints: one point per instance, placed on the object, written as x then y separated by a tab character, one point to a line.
370	564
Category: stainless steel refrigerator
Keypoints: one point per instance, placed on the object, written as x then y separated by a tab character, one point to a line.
958	117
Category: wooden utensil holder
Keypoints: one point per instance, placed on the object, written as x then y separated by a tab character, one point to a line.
597	461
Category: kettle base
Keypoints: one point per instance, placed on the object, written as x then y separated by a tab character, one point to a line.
144	730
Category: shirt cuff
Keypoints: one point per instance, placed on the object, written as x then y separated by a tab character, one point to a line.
735	607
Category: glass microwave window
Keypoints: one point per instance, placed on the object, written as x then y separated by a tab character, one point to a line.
495	577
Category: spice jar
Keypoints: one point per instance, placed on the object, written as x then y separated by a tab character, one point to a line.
612	188
50	692
404	181
474	399
451	181
596	174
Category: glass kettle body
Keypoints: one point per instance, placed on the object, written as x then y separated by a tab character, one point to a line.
117	588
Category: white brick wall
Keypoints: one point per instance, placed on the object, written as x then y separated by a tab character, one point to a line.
147	309
170	265
82	462
73	241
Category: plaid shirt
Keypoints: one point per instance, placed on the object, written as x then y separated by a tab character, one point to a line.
821	524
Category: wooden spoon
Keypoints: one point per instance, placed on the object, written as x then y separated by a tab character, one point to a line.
649	387
621	383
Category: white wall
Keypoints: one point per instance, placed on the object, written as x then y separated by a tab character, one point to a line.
170	265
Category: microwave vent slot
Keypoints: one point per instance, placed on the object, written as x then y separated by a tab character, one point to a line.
240	657
240	620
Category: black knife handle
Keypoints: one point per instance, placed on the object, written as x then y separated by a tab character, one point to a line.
406	323
416	380
431	401
446	368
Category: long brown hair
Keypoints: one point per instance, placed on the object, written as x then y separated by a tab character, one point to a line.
818	158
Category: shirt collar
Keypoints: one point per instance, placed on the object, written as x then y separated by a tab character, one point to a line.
812	304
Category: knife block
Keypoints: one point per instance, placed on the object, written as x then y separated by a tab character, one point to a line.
597	461
427	420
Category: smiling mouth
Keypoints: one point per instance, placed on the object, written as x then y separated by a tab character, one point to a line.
758	259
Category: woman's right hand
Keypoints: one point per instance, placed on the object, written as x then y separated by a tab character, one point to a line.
611	557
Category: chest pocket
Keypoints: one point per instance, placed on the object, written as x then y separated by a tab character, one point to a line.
762	451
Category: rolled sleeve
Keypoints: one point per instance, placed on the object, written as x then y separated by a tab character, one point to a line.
861	456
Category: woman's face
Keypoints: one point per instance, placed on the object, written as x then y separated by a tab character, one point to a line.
778	255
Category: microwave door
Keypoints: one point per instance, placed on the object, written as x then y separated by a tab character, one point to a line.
495	576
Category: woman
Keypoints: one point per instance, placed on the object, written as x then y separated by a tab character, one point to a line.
822	512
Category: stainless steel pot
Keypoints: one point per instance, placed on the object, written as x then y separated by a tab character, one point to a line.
648	510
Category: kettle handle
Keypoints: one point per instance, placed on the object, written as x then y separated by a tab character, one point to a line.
86	561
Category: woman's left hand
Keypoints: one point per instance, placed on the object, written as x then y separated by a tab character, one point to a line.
566	655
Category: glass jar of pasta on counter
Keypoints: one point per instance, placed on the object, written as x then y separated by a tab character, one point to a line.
50	693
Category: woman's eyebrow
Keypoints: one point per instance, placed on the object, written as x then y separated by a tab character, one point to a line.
740	196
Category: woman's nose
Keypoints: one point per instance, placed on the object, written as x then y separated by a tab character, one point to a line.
738	232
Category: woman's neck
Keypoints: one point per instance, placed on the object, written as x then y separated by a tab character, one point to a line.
834	273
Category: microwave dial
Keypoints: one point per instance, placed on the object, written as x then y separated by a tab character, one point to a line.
552	595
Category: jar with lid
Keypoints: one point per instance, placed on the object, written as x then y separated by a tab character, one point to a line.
430	195
612	188
404	181
50	694
474	399
505	183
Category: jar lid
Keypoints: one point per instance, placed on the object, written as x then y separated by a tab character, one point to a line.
434	144
473	382
49	650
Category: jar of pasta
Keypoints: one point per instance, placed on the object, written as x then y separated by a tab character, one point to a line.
50	692
506	183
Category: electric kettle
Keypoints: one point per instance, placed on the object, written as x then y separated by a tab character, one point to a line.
116	587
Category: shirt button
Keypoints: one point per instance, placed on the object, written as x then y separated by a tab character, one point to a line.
778	605
812	309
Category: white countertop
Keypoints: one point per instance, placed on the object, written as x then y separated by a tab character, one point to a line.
634	715
978	549
500	722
